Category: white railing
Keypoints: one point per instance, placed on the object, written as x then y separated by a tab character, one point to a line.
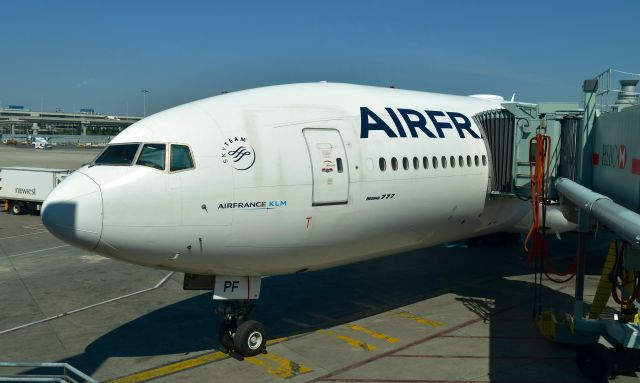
606	94
69	374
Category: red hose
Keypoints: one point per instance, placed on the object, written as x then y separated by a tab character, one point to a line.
539	188
614	286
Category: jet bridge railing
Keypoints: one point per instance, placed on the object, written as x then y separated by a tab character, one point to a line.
606	94
68	373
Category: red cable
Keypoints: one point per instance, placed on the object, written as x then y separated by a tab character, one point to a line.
614	285
540	180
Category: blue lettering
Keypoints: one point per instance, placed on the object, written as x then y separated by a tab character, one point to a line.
433	114
414	121
366	126
396	121
460	126
420	123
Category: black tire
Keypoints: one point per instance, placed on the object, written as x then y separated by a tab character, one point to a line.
17	208
250	338
225	335
595	362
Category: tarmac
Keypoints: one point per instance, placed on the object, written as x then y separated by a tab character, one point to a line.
56	158
451	313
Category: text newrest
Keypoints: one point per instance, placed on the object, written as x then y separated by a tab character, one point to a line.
415	121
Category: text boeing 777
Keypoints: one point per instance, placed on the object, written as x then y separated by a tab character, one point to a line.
299	177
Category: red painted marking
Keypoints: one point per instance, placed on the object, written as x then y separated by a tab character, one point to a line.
635	166
596	158
330	377
346	380
339	371
525	357
622	156
497	337
308	221
357	380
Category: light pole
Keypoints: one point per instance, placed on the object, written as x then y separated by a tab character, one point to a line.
144	99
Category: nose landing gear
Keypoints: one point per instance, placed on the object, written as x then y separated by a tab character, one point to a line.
238	335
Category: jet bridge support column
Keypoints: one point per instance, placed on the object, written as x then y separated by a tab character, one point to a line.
584	172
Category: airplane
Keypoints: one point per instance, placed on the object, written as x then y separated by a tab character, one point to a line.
300	177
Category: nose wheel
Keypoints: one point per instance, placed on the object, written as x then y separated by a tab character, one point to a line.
244	337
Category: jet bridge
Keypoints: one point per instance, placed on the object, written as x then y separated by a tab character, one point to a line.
508	134
592	171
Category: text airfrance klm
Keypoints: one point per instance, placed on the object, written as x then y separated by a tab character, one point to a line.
429	123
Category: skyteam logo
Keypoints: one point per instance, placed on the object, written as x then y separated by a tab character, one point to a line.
238	153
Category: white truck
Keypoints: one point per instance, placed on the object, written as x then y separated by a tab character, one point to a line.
24	189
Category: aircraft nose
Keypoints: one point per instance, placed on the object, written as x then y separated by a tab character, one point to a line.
73	211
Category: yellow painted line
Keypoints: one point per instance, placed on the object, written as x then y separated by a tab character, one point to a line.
418	319
171	368
182	365
350	341
279	366
295	367
372	333
276	341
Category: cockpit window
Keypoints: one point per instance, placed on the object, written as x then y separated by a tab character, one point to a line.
117	154
180	158
152	155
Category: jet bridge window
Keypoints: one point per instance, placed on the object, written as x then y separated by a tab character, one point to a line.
152	155
117	154
181	158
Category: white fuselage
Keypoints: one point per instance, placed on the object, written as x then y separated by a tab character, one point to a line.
289	178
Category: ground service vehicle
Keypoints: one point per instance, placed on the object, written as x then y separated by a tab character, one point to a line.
24	189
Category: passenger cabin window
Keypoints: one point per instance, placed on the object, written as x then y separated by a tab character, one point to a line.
435	162
394	163
477	161
117	154
405	163
416	163
444	162
382	163
180	158
152	155
484	160
339	164
452	161
469	161
425	162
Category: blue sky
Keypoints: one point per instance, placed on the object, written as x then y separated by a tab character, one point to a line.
100	54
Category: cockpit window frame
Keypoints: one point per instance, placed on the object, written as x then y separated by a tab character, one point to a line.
133	161
141	148
193	158
167	154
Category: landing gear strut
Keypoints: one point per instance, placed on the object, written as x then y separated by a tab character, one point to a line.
236	334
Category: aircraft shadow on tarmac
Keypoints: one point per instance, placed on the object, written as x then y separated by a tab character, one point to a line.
296	304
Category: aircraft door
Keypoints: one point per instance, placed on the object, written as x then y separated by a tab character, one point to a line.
329	166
